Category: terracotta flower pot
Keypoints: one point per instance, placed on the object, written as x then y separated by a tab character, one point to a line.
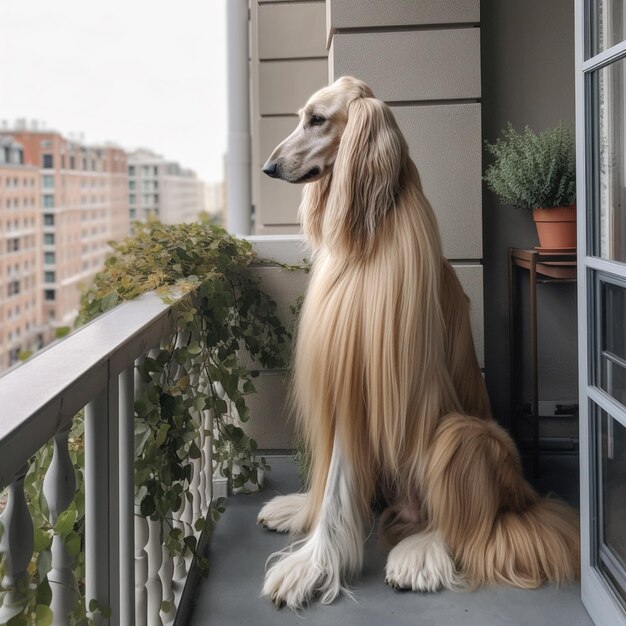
556	227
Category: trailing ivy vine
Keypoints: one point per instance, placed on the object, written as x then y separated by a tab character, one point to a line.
221	313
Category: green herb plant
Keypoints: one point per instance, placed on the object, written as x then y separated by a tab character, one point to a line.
533	170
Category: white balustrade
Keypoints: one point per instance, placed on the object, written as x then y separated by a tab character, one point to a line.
180	565
59	488
154	585
166	573
17	548
127	493
141	569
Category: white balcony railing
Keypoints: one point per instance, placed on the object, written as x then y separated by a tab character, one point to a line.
128	569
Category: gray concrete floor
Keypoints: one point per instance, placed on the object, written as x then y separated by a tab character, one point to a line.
239	548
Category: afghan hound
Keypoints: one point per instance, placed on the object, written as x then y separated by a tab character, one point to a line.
388	391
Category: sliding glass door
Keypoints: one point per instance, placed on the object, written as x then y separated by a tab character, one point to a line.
601	162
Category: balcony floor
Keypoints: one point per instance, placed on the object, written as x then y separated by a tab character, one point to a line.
238	550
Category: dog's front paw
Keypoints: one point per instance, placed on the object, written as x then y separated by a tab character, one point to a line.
294	580
285	514
422	563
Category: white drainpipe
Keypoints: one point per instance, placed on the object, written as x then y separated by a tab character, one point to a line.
238	174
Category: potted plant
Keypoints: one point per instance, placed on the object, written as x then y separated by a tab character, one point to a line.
538	171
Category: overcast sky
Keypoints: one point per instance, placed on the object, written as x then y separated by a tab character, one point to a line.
148	73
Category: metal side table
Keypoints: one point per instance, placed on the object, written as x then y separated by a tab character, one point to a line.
543	267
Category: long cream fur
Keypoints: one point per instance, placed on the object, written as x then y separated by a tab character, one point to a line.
387	384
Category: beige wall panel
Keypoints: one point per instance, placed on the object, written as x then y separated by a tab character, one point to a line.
278	201
290	250
285	287
288	31
445	144
272	130
412	65
471	278
293	229
359	14
284	86
270	424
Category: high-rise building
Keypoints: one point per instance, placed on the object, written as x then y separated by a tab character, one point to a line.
83	205
162	189
20	259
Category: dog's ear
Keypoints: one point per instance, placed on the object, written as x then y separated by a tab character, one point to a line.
366	175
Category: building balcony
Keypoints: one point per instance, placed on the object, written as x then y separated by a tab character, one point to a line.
133	576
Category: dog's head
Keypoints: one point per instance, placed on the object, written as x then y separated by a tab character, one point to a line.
349	142
309	153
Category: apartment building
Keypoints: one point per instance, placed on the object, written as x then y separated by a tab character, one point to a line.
20	261
83	204
162	189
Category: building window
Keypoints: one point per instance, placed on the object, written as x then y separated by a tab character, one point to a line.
72	162
47	181
49	294
49	258
49	277
48	239
132	198
131	170
47	161
13	288
48	219
131	184
48	201
13	245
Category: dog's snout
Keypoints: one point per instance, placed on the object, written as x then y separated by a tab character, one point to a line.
272	169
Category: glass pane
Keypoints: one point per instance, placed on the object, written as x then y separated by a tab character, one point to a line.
613	341
609	203
609	24
612	492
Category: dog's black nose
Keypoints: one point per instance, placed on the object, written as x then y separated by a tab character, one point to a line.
271	169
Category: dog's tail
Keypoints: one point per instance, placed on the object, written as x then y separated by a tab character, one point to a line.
497	528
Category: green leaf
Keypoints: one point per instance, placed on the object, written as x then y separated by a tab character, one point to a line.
147	506
194	451
42	540
43	615
72	544
44	563
162	434
65	523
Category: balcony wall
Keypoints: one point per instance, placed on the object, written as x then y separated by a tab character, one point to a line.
288	62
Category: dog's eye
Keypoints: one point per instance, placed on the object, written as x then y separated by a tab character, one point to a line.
316	120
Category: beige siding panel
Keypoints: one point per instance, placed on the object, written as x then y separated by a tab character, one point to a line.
270	424
445	144
285	86
292	229
285	287
412	65
359	14
279	201
288	31
272	130
471	278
